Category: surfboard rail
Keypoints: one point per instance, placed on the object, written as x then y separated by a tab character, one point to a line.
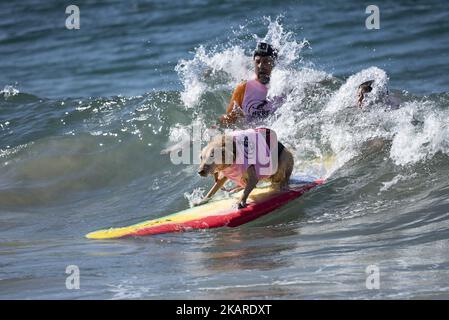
214	214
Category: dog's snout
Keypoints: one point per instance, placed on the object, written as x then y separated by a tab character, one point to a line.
202	172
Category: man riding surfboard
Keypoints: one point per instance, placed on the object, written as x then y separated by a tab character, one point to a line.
249	100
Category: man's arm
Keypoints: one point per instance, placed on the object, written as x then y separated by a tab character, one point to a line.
232	114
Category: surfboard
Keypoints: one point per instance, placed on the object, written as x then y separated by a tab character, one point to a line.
217	212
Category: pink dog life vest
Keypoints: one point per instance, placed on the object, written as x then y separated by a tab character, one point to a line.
253	147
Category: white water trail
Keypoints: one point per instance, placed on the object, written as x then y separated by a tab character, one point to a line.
319	120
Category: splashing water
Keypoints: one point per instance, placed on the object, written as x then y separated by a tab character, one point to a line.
9	91
194	197
319	119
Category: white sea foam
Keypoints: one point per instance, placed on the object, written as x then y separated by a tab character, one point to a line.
387	185
316	121
412	144
195	196
346	95
218	68
9	91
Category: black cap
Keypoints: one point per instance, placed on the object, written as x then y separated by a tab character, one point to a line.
264	49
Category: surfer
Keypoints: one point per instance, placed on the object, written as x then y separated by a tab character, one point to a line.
249	100
390	101
383	95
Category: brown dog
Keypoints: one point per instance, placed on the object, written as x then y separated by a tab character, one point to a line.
218	158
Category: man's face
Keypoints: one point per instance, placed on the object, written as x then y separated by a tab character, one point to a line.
362	90
263	67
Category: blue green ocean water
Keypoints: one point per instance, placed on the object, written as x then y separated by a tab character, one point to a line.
85	113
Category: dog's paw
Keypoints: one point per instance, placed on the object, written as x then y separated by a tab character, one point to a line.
241	205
